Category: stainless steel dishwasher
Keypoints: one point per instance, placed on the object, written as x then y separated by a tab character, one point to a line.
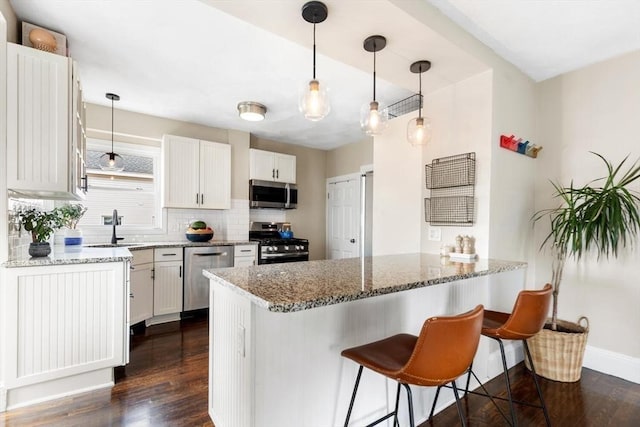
198	258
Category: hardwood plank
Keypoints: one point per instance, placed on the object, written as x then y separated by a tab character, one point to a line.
165	384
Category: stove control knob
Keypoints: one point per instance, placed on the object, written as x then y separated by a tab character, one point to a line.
298	248
274	248
286	248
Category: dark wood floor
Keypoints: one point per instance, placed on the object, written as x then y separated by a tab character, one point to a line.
165	384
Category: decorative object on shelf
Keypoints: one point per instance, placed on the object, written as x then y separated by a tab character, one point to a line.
111	161
70	215
43	39
198	231
41	225
251	111
314	97
374	116
419	129
600	218
452	184
519	146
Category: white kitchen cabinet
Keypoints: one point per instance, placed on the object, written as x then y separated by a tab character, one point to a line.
270	166
65	328
45	130
141	298
245	255
167	282
197	173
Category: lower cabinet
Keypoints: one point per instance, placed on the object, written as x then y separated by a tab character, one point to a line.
141	297
66	327
245	255
167	285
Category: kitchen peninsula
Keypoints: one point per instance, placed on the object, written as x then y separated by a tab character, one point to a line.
276	332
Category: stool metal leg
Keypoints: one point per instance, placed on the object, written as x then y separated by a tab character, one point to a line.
435	400
535	379
395	413
353	396
466	387
410	402
506	378
458	403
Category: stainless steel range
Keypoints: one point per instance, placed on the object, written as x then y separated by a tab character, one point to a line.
273	248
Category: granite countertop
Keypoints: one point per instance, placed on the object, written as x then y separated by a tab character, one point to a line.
303	285
60	256
136	246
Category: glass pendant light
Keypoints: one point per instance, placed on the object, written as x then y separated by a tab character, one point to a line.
419	129
314	99
374	116
111	161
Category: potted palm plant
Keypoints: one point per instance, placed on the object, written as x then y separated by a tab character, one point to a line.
41	225
600	217
71	214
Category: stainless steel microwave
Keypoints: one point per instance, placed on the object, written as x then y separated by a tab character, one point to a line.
268	194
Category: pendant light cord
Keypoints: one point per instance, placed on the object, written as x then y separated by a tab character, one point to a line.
112	125
314	47
374	71
420	92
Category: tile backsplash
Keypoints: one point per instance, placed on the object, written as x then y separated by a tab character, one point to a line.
18	238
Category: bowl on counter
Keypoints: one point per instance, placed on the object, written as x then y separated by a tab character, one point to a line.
199	237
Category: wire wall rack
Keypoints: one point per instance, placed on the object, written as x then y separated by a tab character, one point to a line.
404	106
451	181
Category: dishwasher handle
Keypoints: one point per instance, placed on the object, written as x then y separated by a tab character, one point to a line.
212	254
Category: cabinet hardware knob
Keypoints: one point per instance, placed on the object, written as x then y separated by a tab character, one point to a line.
131	295
352	240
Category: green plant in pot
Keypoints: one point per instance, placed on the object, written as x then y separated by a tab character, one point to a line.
600	218
41	225
71	214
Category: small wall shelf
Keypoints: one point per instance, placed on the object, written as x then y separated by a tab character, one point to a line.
452	184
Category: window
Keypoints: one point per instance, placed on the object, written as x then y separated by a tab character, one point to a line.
134	192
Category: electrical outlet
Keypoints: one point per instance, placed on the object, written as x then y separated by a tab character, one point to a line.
435	234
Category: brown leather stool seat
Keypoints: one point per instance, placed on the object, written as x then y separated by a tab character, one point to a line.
443	351
525	320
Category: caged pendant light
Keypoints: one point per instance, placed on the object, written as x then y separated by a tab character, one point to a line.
111	161
419	129
374	116
314	99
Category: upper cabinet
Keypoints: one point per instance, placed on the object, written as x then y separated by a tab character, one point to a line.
269	166
197	174
45	125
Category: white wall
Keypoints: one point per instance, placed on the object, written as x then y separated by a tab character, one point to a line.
592	109
397	195
461	119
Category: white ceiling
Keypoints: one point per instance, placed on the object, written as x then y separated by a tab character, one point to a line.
194	60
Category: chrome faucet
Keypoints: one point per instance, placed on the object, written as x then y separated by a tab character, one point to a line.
114	222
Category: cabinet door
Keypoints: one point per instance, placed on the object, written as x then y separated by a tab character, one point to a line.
285	165
141	302
215	175
244	261
180	178
261	165
167	288
245	255
38	121
78	174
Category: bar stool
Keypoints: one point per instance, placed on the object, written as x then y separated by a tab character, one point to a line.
526	319
443	351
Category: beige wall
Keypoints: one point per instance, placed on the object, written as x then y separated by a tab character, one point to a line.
349	158
592	109
142	128
12	20
308	220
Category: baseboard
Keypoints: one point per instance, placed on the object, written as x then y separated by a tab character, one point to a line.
611	363
3	398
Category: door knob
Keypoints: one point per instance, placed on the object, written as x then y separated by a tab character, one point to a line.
352	240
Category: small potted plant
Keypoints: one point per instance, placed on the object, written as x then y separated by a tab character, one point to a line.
71	214
41	225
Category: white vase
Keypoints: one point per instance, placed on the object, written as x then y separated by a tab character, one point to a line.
73	237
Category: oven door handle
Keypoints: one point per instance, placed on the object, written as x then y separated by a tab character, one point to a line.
295	255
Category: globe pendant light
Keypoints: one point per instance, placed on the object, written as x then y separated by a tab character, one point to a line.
374	116
419	129
314	99
111	161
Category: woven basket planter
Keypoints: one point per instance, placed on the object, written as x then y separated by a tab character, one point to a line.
557	355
